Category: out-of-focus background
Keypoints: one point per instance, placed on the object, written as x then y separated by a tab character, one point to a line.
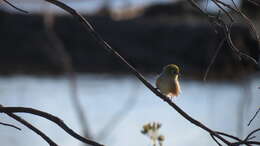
49	62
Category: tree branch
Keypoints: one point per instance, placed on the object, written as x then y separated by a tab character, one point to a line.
18	9
254	2
30	126
253	117
50	117
213	58
215	140
239	12
226	28
10	125
251	133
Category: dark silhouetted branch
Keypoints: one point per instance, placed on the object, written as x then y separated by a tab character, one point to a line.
215	140
234	138
30	126
10	125
229	136
18	9
254	2
253	117
50	117
239	12
226	27
251	133
217	3
246	143
213	59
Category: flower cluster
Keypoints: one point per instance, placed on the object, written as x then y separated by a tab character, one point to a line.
152	131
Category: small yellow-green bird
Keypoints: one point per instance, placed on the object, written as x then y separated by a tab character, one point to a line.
167	82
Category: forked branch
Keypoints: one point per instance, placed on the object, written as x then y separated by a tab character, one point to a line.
56	120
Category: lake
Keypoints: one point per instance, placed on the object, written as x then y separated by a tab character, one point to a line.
117	106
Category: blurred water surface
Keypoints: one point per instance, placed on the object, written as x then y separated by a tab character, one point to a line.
217	105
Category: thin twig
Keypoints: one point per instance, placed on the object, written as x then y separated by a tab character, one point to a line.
226	29
254	2
253	117
215	140
245	142
19	9
251	133
30	126
227	5
10	125
250	24
106	46
213	58
233	137
195	5
235	5
50	117
238	11
252	137
228	135
227	13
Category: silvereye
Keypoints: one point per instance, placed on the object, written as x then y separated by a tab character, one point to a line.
167	82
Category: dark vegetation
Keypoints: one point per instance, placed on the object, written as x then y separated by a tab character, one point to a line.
147	43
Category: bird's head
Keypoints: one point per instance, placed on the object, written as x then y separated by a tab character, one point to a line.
171	69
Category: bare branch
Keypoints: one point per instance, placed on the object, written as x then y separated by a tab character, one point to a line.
234	138
253	117
213	59
230	136
195	5
18	9
10	125
215	140
251	133
226	28
30	126
216	2
254	2
227	33
238	11
50	117
246	143
235	5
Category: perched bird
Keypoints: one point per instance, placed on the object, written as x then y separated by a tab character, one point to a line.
167	82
